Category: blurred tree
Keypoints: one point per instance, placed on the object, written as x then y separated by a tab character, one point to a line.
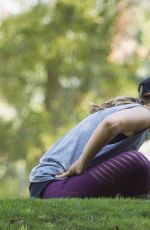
53	59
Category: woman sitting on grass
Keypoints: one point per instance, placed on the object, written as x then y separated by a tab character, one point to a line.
99	157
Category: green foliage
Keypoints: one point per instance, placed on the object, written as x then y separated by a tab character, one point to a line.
53	61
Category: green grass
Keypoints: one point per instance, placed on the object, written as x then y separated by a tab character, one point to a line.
75	214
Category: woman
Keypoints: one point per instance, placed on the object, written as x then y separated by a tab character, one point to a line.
99	156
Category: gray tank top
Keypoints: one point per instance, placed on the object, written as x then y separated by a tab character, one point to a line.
60	156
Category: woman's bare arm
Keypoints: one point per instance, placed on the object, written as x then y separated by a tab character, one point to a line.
126	121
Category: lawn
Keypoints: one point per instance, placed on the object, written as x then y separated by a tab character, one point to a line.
74	214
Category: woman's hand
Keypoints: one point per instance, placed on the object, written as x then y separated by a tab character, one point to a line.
77	168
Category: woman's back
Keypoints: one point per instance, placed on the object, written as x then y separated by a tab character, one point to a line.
69	147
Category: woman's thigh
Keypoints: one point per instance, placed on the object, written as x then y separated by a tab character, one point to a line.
106	179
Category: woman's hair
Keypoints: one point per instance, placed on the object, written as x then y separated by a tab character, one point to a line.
119	101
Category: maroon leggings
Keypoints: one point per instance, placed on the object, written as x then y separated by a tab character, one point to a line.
127	174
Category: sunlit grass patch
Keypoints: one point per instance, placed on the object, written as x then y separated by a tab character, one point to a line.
63	214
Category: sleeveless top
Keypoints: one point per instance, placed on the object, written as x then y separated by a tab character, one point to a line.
60	156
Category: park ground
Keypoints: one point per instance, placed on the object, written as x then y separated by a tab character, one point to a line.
74	214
